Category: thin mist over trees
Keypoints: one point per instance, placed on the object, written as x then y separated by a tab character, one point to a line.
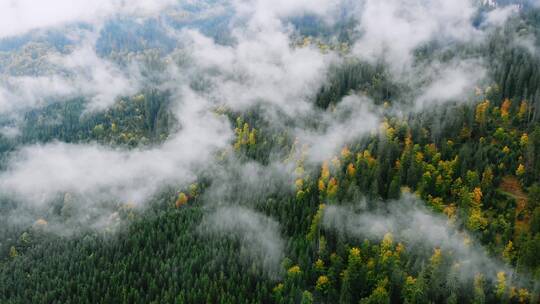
325	151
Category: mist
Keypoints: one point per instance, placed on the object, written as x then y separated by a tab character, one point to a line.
259	235
19	17
36	173
259	66
419	229
216	121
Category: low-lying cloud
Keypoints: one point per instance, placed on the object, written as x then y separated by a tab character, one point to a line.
394	29
36	173
418	228
261	65
21	16
259	235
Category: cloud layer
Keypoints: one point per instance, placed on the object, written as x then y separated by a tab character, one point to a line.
418	228
37	173
20	16
261	65
259	235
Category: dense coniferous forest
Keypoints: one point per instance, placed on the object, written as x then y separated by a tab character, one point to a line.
433	202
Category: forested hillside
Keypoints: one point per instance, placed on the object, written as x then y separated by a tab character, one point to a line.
224	152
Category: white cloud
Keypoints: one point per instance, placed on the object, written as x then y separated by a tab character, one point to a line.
393	29
259	235
352	118
80	73
20	16
27	92
499	16
37	173
453	81
410	222
261	67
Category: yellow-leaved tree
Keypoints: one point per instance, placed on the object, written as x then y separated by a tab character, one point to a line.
182	200
505	108
481	114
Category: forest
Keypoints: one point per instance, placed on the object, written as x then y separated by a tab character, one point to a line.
261	152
